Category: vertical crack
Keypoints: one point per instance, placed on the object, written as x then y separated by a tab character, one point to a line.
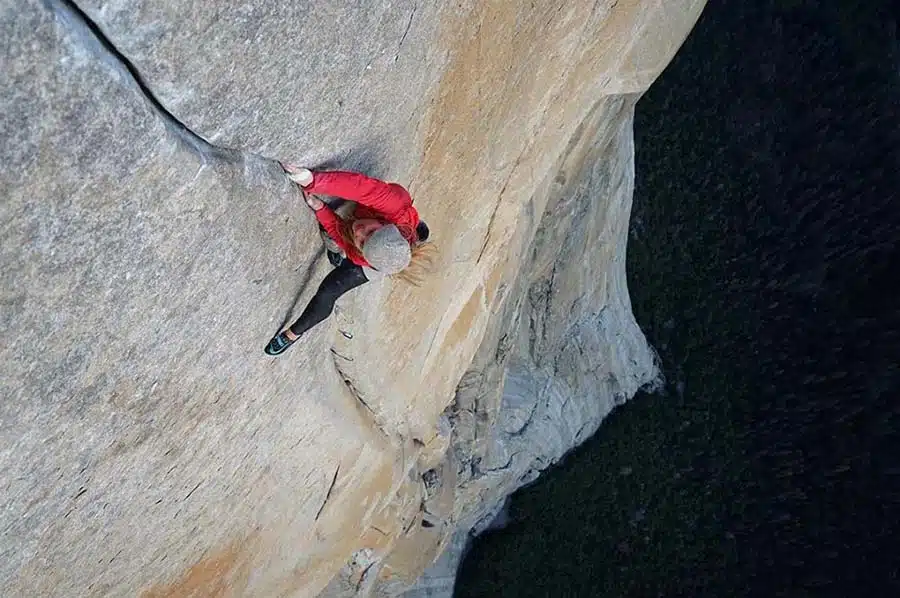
356	394
405	32
93	38
328	494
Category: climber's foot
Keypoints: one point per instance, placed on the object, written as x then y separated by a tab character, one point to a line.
280	342
334	258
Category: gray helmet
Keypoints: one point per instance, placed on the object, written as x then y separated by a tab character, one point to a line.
387	251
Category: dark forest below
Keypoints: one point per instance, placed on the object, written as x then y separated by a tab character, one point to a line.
763	261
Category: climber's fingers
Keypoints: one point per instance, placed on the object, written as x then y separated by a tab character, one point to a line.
314	202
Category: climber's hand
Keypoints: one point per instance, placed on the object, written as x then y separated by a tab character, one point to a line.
298	174
314	202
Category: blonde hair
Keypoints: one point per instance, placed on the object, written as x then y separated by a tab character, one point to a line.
354	251
422	261
421	264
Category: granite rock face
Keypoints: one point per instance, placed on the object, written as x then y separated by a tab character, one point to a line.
151	246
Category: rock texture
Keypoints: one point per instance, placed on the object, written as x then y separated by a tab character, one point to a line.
151	247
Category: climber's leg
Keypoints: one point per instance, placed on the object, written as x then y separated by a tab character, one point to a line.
344	278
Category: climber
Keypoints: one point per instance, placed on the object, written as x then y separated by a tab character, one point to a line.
377	232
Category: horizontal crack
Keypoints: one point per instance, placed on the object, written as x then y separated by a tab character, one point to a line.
90	34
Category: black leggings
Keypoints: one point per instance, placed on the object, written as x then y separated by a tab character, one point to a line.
344	278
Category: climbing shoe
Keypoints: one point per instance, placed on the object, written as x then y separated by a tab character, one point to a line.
335	258
279	344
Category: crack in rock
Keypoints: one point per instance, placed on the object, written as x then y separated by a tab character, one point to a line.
83	28
405	32
348	383
328	493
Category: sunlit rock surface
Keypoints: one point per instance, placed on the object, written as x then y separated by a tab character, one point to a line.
151	247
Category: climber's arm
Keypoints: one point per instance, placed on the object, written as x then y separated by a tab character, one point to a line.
387	198
329	221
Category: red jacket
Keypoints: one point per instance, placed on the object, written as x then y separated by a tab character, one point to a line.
387	202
